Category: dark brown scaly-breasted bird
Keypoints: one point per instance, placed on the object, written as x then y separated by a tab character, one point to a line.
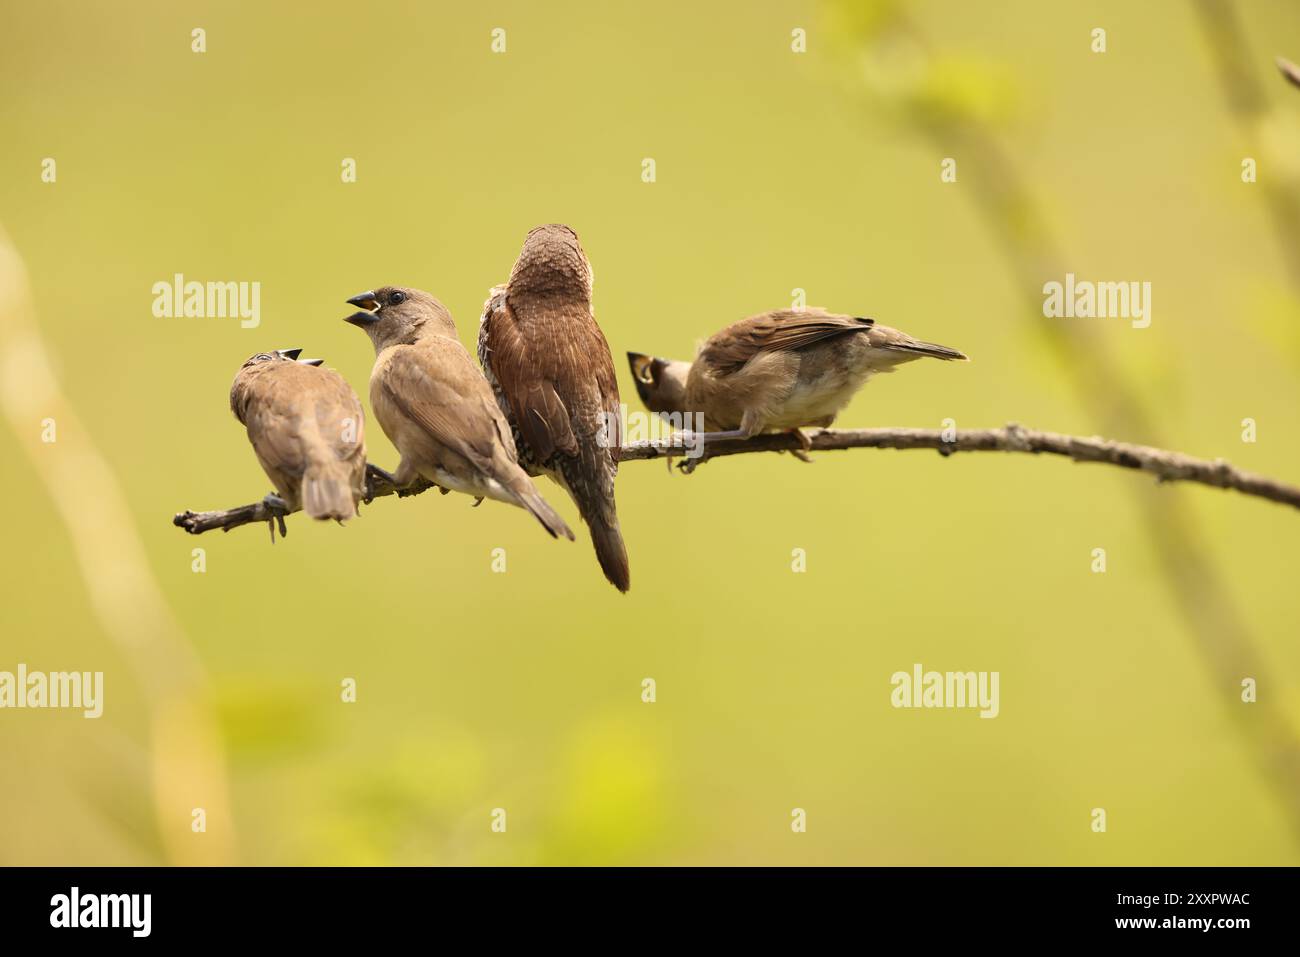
308	431
777	371
436	407
553	376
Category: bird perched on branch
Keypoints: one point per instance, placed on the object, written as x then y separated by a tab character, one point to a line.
436	407
553	376
777	371
308	430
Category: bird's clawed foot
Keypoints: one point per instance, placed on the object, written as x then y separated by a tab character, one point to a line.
376	476
375	473
278	508
805	445
418	484
689	464
696	444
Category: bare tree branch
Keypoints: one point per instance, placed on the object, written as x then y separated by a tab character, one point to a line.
1165	465
196	523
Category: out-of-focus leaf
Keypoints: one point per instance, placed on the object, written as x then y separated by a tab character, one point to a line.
261	719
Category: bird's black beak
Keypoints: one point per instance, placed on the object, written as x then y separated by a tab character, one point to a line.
288	353
645	369
640	365
310	362
369	305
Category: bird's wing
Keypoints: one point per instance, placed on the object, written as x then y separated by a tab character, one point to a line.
276	441
274	418
585	378
785	330
435	384
338	413
533	358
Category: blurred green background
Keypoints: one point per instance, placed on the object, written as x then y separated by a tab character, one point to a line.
776	171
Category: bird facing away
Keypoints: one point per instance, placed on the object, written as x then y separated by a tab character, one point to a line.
777	371
553	376
308	431
436	407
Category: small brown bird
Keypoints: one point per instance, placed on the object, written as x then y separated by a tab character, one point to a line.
436	407
777	371
308	431
553	376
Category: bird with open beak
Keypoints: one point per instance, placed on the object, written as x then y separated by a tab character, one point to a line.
553	375
308	431
777	371
436	407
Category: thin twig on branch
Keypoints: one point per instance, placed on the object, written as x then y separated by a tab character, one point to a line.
1165	465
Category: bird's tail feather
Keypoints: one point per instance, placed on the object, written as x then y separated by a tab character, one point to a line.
611	553
590	483
927	349
526	494
327	493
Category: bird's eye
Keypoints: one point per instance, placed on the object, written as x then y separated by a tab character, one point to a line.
396	298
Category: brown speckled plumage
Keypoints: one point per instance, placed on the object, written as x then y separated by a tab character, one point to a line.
550	368
778	370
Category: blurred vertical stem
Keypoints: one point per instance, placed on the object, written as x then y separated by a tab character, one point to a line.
1248	102
188	769
891	65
